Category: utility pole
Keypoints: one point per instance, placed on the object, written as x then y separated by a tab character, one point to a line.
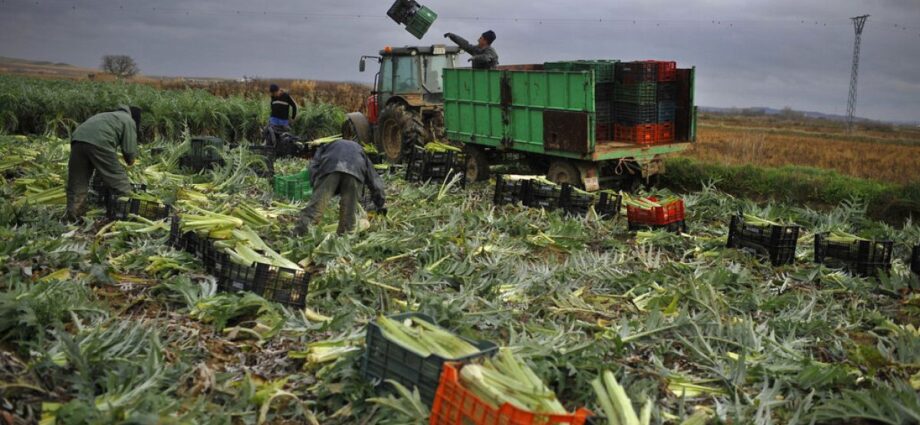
858	23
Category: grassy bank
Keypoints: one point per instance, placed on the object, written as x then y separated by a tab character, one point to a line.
795	184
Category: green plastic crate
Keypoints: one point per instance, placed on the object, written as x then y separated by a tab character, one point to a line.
295	187
638	93
603	69
418	25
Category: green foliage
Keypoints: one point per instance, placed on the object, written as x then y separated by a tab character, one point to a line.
32	106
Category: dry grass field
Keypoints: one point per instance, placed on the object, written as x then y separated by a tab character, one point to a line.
875	151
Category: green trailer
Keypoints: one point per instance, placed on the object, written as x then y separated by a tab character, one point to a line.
550	117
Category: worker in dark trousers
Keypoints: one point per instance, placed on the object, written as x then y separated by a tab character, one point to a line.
340	168
94	148
484	56
283	111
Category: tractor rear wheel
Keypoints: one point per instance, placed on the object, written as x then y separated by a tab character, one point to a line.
398	130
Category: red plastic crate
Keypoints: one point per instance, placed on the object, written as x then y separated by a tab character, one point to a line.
658	216
667	70
455	405
665	132
644	134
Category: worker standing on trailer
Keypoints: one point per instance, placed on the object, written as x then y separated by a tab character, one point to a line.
94	147
340	168
484	55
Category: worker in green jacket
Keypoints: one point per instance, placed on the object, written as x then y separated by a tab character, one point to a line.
94	148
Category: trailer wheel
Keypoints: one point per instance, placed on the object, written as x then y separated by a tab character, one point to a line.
564	172
477	164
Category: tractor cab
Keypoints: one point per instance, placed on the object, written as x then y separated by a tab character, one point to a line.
406	105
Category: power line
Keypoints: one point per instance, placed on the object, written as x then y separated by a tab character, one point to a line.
729	22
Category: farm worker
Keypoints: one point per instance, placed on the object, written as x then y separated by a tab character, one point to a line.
340	168
484	56
283	107
94	147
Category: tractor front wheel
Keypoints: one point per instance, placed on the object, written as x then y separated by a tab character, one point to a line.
397	131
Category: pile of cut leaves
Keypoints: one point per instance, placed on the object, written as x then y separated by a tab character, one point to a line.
105	323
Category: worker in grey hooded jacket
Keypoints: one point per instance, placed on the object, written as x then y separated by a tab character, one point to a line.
340	168
484	56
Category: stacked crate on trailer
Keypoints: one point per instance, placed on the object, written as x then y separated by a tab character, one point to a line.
645	104
604	73
559	119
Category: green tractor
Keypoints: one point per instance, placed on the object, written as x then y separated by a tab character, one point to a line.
406	107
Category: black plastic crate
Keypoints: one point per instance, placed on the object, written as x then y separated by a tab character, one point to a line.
636	72
233	277
608	204
863	258
915	260
122	209
635	113
603	111
205	148
508	191
667	91
537	194
424	166
667	110
281	285
276	284
603	91
101	194
676	227
384	359
777	243
574	202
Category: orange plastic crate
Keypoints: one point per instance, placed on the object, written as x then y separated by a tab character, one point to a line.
658	216
665	132
455	405
643	134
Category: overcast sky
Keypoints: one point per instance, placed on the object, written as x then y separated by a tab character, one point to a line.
771	53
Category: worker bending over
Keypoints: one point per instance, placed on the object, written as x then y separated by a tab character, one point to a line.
340	168
484	56
94	147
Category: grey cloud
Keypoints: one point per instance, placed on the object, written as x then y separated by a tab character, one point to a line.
759	55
